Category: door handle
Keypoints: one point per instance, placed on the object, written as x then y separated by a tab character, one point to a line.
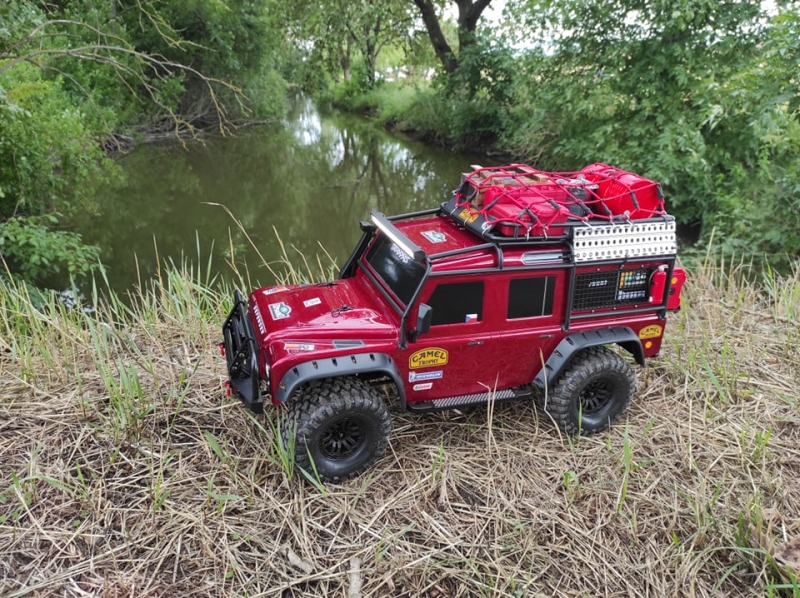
474	343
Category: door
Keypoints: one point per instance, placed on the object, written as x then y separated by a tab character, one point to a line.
451	359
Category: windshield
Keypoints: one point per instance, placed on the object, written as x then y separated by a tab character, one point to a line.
401	273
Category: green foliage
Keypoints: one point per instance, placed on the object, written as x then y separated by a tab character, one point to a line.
388	103
479	92
346	39
46	150
48	162
31	248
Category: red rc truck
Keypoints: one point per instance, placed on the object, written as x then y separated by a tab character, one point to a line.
514	288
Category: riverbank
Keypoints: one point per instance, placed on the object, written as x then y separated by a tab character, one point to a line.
126	470
416	111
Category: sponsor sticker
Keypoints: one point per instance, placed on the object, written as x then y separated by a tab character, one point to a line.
430	357
312	302
298	346
434	236
279	311
261	327
400	254
274	290
426	386
468	215
653	331
417	376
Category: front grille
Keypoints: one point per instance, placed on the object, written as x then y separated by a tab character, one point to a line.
611	288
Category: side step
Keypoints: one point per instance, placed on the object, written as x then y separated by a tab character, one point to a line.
480	398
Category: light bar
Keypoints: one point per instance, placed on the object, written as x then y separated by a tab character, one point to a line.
413	250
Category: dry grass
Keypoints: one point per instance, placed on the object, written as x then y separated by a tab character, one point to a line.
124	471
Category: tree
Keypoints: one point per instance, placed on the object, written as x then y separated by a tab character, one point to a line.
469	13
635	83
335	29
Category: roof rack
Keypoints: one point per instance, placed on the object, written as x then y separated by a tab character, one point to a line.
519	203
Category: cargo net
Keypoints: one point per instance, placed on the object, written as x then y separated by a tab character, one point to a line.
521	202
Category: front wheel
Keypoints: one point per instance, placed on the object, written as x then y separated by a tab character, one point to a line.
340	427
595	390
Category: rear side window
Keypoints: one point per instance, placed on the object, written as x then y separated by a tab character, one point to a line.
531	297
457	303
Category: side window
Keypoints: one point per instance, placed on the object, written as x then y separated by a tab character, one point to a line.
457	303
530	297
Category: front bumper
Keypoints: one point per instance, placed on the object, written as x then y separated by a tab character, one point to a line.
241	354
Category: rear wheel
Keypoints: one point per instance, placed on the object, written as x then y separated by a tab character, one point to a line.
340	427
593	391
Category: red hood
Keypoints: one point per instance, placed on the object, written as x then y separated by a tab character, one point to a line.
344	311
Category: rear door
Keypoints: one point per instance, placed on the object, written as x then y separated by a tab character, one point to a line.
530	315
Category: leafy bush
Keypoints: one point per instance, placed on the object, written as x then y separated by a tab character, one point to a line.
29	246
48	162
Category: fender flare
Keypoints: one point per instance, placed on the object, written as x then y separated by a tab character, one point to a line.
333	367
570	345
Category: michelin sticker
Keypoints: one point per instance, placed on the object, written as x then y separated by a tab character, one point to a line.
312	302
279	311
417	376
426	386
434	236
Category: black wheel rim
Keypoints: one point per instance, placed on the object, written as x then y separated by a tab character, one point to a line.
342	438
595	396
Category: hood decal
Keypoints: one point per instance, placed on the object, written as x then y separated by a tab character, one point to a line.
298	347
273	290
279	311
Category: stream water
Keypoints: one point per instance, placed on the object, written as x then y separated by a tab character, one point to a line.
311	178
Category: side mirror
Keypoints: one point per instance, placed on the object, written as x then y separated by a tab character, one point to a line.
424	317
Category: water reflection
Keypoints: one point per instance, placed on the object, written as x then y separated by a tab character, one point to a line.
311	178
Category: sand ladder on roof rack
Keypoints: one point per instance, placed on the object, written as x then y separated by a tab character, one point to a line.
618	241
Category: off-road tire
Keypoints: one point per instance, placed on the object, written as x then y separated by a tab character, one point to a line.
342	424
593	391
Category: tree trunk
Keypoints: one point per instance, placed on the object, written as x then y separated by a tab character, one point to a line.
469	13
443	51
346	58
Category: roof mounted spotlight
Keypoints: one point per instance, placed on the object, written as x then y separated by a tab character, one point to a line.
413	250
